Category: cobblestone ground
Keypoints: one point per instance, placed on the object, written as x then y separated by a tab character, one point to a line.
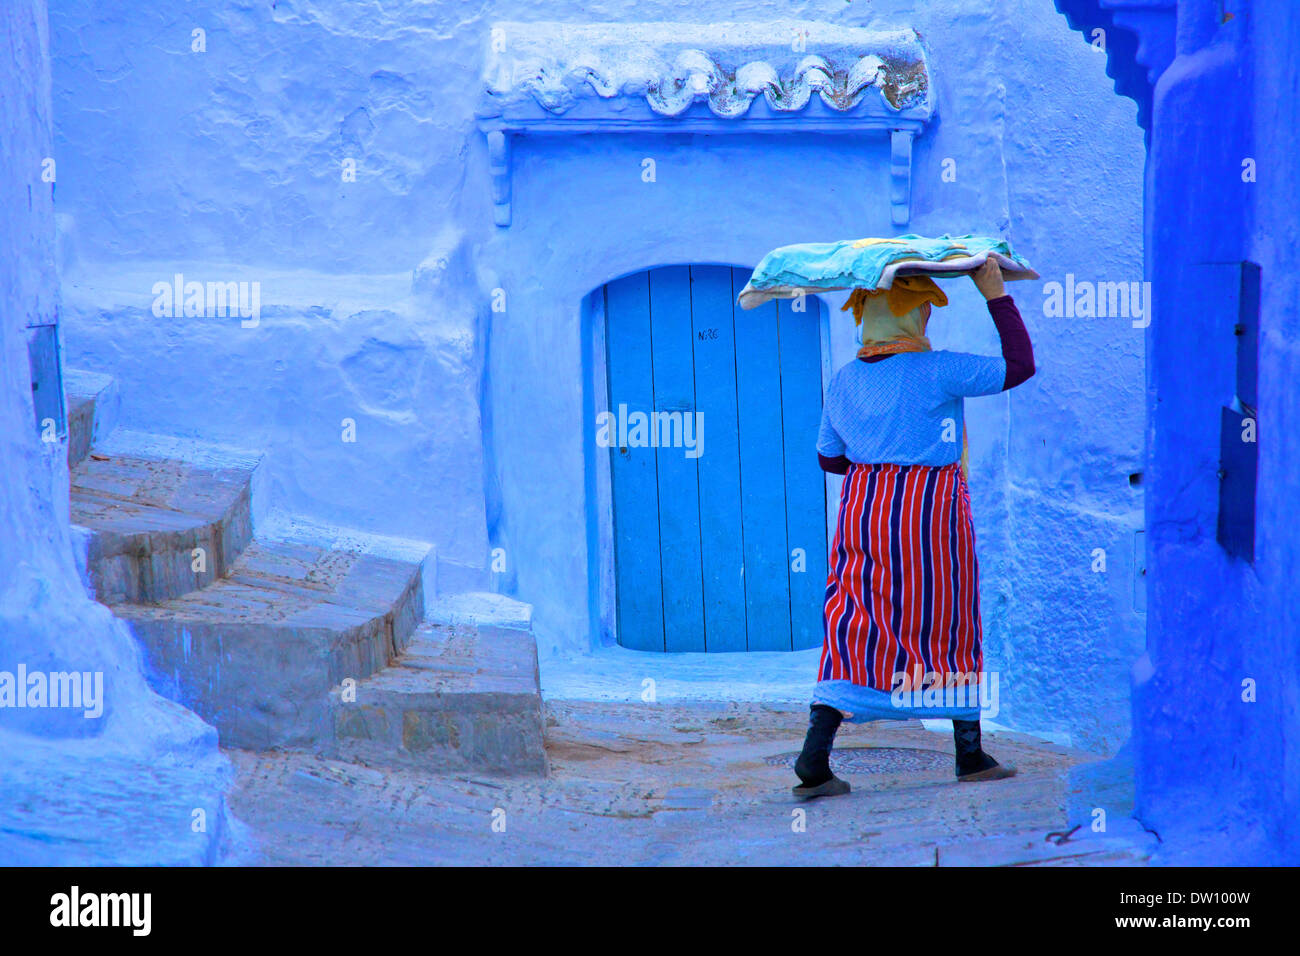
647	784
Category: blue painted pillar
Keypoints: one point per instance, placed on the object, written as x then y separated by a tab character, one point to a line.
1210	696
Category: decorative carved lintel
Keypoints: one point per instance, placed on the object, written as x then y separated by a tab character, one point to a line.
786	77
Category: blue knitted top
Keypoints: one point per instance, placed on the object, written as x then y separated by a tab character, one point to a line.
906	409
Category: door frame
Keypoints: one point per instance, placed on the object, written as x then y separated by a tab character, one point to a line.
602	596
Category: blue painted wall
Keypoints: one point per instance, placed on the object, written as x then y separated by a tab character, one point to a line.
377	295
65	772
1216	694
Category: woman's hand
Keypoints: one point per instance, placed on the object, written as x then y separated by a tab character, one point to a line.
988	279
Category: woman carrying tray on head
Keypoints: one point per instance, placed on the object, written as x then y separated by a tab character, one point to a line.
902	615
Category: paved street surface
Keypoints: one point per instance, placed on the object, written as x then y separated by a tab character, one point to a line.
678	784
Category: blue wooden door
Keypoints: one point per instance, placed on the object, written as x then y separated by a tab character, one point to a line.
719	506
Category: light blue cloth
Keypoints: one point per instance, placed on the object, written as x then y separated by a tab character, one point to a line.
864	704
852	264
907	409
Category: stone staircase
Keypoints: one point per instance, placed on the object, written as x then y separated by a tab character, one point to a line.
161	528
299	641
257	652
462	696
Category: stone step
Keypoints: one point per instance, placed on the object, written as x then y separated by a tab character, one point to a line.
144	517
479	608
256	653
460	698
93	406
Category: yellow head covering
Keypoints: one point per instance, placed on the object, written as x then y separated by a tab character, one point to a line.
894	319
905	294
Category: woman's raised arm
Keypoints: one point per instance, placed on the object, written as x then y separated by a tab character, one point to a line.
1017	350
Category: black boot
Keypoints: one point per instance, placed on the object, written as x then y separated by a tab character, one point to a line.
972	762
814	764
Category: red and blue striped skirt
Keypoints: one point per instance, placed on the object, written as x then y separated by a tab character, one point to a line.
902	593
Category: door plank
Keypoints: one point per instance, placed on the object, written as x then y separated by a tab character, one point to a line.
762	477
721	531
633	474
679	496
805	487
